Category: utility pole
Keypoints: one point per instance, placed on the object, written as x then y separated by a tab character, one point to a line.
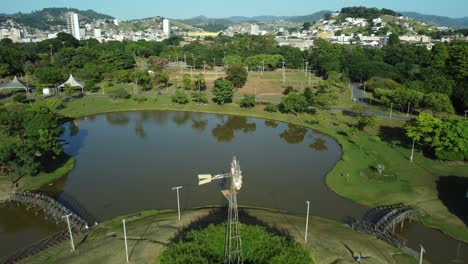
391	110
284	74
412	151
125	238
421	255
178	204
204	68
307	66
409	105
214	67
307	221
70	231
309	78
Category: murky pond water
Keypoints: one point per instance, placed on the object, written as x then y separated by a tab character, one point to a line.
127	162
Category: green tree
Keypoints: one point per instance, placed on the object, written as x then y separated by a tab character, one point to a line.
200	83
248	101
365	121
68	90
237	75
294	103
309	95
180	97
119	93
199	97
438	103
223	91
187	82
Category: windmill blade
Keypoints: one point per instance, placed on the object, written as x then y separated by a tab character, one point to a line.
204	179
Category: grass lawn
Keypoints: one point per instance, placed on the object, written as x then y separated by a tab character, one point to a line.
415	182
150	232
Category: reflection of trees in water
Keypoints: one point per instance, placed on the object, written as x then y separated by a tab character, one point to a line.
181	118
225	132
118	119
199	125
139	129
74	127
319	145
294	134
90	118
271	123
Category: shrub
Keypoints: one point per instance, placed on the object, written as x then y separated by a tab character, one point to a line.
248	101
19	98
180	98
139	98
288	89
272	108
450	155
199	97
207	246
119	93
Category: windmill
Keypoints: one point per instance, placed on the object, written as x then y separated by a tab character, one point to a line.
233	244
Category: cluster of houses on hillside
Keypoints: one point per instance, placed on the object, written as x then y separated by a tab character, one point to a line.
348	31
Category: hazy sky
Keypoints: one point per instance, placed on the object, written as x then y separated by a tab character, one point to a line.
128	9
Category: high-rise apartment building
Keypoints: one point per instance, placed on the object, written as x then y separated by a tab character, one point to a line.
166	27
73	25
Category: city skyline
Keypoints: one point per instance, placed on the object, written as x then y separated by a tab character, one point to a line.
147	8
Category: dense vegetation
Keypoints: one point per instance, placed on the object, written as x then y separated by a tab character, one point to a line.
365	12
441	72
207	246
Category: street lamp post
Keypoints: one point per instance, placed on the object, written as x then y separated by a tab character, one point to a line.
412	151
125	239
307	221
391	110
70	231
204	68
284	73
421	254
307	66
178	203
409	106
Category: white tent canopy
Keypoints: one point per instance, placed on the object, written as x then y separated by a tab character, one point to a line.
72	82
14	84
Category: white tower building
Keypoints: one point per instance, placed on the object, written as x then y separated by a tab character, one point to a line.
254	29
73	25
166	27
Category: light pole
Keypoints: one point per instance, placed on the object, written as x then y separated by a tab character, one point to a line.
263	67
307	66
409	105
125	238
204	68
70	231
284	74
421	254
225	63
307	221
178	204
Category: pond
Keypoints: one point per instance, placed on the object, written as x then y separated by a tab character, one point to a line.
128	162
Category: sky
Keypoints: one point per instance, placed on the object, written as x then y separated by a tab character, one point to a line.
130	9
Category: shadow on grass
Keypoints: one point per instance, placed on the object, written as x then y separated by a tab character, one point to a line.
218	216
453	192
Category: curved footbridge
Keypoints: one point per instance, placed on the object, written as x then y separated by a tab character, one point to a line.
80	221
381	222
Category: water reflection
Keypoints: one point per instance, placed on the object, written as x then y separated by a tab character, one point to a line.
453	192
225	132
294	134
117	119
181	118
199	125
319	145
271	123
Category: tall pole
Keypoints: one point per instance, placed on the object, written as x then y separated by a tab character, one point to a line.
51	54
412	151
307	221
421	255
466	111
284	74
309	77
204	68
307	66
70	231
193	65
214	67
391	110
178	204
263	67
125	238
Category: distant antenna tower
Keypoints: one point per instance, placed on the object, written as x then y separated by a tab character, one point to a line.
233	244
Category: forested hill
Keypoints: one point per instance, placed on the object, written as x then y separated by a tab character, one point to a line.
438	20
54	16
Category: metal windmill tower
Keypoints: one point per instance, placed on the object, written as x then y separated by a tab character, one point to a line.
233	243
